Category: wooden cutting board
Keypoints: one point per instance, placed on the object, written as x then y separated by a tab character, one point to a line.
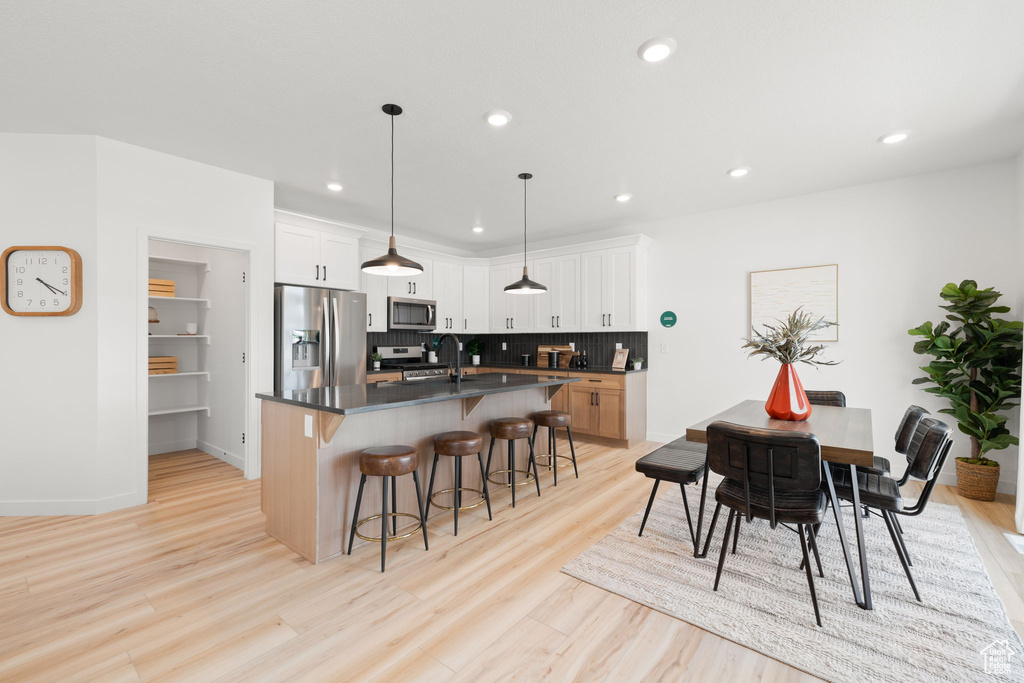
564	354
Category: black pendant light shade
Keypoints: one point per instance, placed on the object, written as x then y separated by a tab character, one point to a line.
525	285
392	263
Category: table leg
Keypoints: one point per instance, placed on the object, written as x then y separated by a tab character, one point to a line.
837	512
857	520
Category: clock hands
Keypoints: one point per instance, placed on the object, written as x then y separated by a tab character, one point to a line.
52	288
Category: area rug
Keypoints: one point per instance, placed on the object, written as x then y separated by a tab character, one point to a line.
959	633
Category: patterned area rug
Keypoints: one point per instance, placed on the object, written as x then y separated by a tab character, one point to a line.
960	630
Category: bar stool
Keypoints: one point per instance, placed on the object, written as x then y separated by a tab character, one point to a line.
458	445
553	419
388	462
512	428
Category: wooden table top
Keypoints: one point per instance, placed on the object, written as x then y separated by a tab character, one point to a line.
844	433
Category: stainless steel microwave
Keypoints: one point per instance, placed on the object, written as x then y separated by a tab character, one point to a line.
411	314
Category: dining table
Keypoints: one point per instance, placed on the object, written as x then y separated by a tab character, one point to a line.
844	435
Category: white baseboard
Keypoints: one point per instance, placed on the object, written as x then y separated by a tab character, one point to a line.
171	446
1004	486
659	437
97	506
221	454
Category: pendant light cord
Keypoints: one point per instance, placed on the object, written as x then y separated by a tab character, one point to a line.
392	175
524	221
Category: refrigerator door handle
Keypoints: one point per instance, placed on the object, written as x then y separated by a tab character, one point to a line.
335	342
325	343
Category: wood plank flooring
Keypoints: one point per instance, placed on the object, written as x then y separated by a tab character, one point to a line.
190	588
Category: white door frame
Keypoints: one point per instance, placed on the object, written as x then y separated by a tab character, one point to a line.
251	447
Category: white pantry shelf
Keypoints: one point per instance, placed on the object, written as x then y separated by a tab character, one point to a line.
167	261
204	337
180	409
183	374
157	300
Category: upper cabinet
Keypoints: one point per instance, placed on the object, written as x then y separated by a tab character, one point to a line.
412	286
376	288
558	310
475	295
448	290
612	292
317	258
510	312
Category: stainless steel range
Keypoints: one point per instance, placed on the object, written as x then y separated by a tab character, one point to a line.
409	359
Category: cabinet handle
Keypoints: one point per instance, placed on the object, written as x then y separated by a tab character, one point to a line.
414	288
318	271
609	320
408	287
552	321
325	273
371	319
559	319
513	323
598	397
465	324
591	398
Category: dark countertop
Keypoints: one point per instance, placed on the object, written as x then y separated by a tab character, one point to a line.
600	369
350	399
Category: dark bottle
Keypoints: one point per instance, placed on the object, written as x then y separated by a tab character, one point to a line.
584	361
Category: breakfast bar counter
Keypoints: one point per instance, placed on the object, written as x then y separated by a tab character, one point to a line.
312	438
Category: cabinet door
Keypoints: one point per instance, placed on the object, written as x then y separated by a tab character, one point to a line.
593	317
499	301
582	409
610	417
521	306
413	286
376	288
448	293
296	255
619	271
560	401
339	261
566	294
545	309
475	294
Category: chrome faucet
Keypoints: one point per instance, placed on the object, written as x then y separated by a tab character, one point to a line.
457	377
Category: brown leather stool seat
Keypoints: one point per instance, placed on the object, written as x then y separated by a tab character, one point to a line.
388	462
553	420
458	445
512	428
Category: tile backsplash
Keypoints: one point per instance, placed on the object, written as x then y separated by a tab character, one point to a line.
600	346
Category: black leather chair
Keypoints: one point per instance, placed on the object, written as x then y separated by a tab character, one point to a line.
826	398
773	475
682	462
927	452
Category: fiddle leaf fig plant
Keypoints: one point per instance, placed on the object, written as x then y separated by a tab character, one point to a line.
977	365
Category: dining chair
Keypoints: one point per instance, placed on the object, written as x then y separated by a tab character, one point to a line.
773	475
927	451
680	462
826	398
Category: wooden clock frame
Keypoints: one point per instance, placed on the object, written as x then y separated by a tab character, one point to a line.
75	279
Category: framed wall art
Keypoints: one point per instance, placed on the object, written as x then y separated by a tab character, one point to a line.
774	294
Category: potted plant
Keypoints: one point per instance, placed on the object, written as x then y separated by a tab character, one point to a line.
977	369
787	343
638	362
376	358
475	347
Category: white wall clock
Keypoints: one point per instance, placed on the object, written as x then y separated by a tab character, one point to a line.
41	281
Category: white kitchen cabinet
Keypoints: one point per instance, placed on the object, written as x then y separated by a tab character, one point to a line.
610	290
558	310
510	312
412	286
475	296
376	289
447	288
315	258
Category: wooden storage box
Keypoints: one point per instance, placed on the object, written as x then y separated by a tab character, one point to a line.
163	365
161	287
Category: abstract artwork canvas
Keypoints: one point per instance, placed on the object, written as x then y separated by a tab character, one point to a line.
774	294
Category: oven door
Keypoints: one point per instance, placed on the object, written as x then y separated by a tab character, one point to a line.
411	314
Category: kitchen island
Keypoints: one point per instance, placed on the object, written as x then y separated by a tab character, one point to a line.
311	440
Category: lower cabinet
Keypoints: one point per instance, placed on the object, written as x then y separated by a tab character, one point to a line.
384	377
597	411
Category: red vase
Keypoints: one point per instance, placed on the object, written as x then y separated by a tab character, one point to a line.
788	401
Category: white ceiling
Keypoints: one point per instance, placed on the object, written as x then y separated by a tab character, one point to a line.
291	91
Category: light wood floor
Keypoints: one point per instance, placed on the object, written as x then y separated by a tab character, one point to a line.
190	588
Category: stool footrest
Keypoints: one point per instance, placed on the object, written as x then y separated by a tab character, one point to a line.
567	463
376	539
522	482
461	507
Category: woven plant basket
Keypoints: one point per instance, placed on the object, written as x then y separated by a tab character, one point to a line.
977	482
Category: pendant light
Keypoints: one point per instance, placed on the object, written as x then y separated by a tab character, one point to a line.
392	263
526	285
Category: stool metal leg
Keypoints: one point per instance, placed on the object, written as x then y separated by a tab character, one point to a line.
394	506
511	469
430	489
383	520
533	460
423	516
553	440
572	449
355	515
458	492
490	452
650	502
483	477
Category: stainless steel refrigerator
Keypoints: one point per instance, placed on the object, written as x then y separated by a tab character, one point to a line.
319	337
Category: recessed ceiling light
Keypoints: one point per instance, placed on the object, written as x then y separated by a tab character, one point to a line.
623	197
893	138
656	49
478	228
498	117
334	187
738	172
